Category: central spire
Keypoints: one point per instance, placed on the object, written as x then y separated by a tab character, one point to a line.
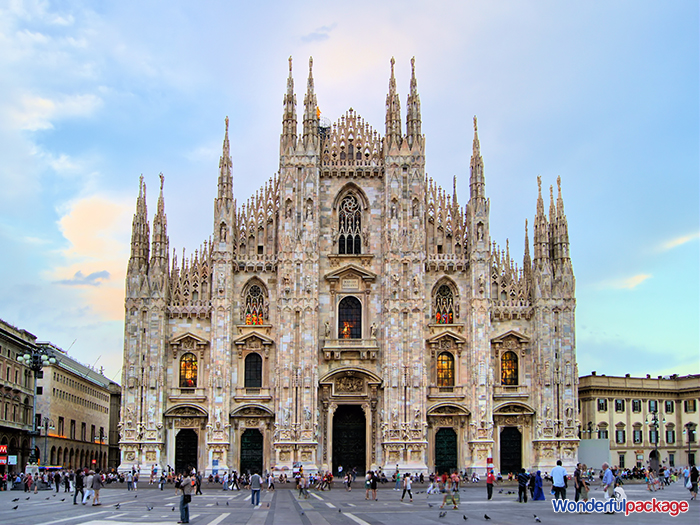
393	113
288	140
310	113
413	118
476	179
225	171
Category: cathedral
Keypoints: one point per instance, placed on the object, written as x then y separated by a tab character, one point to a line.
350	313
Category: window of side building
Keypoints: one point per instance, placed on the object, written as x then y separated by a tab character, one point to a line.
619	405
636	405
669	407
602	405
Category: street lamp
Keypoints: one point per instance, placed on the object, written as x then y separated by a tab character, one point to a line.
655	423
102	434
689	431
589	431
35	361
47	424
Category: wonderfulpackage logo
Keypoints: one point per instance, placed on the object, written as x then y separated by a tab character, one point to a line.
653	506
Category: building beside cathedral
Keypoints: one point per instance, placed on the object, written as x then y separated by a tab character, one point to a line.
350	313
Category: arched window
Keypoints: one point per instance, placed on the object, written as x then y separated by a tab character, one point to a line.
349	226
255	306
444	305
445	369
350	318
509	369
188	371
253	371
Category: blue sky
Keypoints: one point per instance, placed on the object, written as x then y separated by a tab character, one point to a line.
603	94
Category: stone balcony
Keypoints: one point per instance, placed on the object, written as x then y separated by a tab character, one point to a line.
185	394
350	349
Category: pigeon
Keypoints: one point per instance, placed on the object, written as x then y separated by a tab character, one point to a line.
464	517
16	499
136	496
340	510
227	503
26	498
173	509
53	496
537	520
217	503
117	505
302	513
149	508
500	491
64	499
486	517
15	507
442	514
430	504
48	498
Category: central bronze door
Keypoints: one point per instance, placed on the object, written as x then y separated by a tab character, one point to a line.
445	451
186	450
511	450
349	437
252	451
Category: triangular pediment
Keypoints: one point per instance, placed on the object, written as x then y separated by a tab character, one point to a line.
188	336
348	270
511	333
250	336
458	339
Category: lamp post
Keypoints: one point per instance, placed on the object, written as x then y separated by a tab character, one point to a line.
102	433
35	362
654	423
688	432
47	424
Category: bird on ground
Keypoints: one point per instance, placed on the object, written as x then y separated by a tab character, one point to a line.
486	517
430	504
16	499
173	509
117	505
340	510
442	514
48	498
64	499
149	508
217	503
302	513
53	496
537	520
500	491
136	496
15	507
26	498
227	503
464	517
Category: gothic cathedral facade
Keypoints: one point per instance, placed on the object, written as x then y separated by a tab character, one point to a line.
350	313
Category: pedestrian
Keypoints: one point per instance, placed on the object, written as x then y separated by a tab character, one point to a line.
368	483
538	494
136	481
373	484
693	482
28	483
577	481
559	480
88	486
608	481
271	481
129	481
79	483
66	482
234	480
584	485
348	481
198	483
407	486
397	478
96	486
523	480
490	478
255	486
161	483
185	487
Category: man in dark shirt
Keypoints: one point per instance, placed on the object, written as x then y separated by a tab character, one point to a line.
79	483
523	478
577	481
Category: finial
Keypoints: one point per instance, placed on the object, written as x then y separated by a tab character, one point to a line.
559	185
525	226
413	66
311	64
290	64
551	193
539	185
162	177
475	128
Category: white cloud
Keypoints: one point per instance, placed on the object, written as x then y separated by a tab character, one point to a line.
36	113
626	283
679	241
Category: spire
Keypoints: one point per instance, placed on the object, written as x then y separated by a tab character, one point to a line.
310	112
139	231
561	226
526	257
160	245
541	228
225	168
393	113
413	118
476	179
288	140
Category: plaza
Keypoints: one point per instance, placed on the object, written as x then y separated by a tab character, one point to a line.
337	507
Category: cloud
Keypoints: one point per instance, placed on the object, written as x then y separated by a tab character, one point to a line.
35	113
93	279
679	241
628	283
319	34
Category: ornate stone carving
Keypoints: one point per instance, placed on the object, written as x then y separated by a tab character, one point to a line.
348	384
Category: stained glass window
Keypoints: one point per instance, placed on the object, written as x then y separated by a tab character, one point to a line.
444	305
445	370
254	306
350	318
349	227
188	371
253	371
509	369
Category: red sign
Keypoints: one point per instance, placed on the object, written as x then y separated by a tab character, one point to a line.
3	449
94	461
3	460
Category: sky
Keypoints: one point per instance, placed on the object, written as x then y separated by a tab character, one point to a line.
603	94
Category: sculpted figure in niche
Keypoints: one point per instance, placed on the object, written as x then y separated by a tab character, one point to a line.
373	331
327	329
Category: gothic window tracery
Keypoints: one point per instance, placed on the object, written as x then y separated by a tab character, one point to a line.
444	305
350	318
254	306
445	370
253	371
188	371
349	226
509	369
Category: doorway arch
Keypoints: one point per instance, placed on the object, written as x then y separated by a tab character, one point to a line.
511	450
186	450
349	438
251	451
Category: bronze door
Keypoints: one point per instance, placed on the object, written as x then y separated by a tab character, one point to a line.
349	435
511	450
445	451
186	450
252	451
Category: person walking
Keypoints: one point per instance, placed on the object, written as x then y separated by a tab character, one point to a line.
608	481
577	481
523	479
559	480
694	482
79	483
397	478
407	486
255	486
539	492
96	486
129	481
490	478
88	486
198	483
185	486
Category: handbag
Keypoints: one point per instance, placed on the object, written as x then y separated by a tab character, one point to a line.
186	498
689	484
